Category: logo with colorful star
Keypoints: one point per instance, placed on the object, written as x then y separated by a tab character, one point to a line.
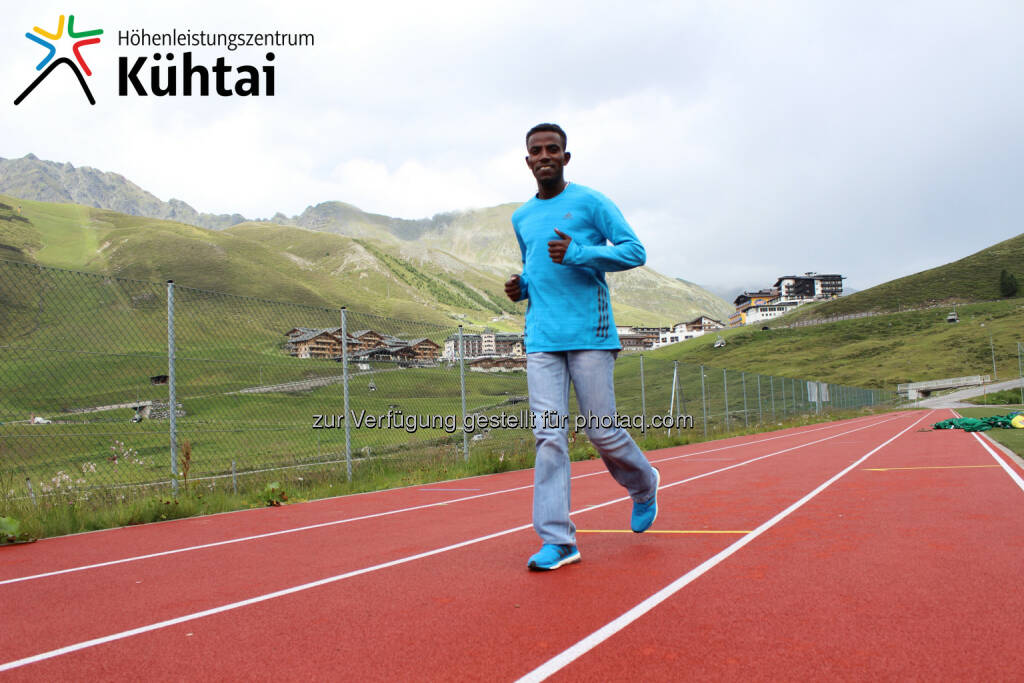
80	38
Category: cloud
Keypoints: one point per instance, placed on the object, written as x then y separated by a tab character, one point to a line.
743	141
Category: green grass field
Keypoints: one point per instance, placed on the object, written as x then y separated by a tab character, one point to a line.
1011	438
1007	397
970	279
72	342
79	349
878	352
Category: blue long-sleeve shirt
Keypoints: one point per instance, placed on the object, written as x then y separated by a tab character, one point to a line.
569	308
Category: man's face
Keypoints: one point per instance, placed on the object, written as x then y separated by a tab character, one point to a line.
545	156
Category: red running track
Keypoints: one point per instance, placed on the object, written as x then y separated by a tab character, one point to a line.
854	550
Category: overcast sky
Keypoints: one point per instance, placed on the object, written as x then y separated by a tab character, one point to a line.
742	140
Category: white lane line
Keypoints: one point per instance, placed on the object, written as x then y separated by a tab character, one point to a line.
1013	475
1006	467
332	579
574	652
321	525
751	443
741	464
242	603
269	534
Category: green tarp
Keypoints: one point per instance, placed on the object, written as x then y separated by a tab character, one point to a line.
975	424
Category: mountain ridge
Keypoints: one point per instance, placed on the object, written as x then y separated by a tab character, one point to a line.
476	241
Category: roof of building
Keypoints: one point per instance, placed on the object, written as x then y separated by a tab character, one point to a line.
810	276
699	318
414	342
311	334
359	333
747	296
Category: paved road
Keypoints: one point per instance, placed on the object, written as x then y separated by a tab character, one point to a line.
956	399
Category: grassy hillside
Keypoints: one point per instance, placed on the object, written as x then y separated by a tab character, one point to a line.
18	237
877	352
257	260
80	349
973	278
458	259
640	296
378	274
416	282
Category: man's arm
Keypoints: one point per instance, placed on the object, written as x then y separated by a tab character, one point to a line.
515	287
624	252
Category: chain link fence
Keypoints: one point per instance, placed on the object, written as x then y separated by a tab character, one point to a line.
110	387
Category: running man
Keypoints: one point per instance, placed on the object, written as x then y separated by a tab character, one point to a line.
564	233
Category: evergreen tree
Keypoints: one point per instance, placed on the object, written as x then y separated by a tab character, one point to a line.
1007	284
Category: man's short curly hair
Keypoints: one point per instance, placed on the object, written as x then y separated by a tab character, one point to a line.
547	128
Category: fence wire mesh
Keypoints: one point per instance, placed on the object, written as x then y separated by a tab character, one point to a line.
109	387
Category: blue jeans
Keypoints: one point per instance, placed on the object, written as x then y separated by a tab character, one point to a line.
591	372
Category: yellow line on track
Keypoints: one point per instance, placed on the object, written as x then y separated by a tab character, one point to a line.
937	467
657	531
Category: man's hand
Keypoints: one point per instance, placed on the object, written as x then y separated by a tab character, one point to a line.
512	290
557	248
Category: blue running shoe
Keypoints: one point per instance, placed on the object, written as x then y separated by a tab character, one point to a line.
644	514
552	556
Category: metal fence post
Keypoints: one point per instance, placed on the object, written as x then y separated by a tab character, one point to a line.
171	387
1020	372
344	384
760	408
681	395
746	417
725	393
992	346
771	381
703	402
672	399
643	398
462	392
782	390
